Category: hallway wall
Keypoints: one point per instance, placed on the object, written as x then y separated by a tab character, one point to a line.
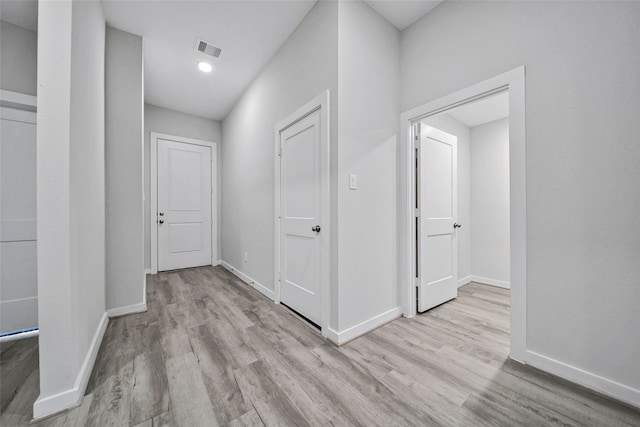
583	180
124	122
368	104
489	202
305	66
71	199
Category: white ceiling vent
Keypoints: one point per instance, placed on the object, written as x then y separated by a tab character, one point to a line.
208	48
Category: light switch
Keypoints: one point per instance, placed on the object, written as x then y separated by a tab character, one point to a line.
353	181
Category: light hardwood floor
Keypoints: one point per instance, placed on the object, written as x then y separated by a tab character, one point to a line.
212	351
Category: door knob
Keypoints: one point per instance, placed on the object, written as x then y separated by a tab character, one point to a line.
316	228
161	221
456	225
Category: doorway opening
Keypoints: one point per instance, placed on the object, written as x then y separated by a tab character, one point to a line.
302	232
447	183
183	203
462	199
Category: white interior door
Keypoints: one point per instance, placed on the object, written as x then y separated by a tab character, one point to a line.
300	225
184	205
437	204
18	245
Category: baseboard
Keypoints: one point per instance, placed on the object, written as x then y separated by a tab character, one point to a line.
465	281
219	262
621	392
129	309
147	271
349	334
67	399
490	282
249	281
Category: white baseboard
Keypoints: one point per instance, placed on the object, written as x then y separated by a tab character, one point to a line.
219	262
343	337
249	281
579	376
49	405
130	309
147	271
490	282
464	281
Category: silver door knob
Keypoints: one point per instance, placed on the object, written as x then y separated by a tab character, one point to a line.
316	228
456	225
161	221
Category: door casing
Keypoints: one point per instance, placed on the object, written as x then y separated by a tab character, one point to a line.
153	205
514	82
319	103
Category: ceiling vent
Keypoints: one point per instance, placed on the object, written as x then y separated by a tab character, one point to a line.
208	49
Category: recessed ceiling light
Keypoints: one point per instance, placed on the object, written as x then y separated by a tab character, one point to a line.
205	67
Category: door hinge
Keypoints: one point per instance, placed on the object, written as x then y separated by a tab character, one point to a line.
417	212
417	282
280	152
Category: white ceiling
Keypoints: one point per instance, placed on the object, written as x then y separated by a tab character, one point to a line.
486	110
23	13
250	33
402	13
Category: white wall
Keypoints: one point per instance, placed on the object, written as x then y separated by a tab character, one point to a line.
18	59
368	103
124	117
305	66
490	233
448	124
583	180
162	120
71	207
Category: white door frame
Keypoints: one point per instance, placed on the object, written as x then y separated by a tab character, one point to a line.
320	102
514	81
153	189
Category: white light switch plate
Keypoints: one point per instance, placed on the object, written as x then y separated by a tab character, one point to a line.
353	181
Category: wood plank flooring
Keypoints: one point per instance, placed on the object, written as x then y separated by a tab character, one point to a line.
212	351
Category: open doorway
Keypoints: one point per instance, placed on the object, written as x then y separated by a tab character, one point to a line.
462	199
439	255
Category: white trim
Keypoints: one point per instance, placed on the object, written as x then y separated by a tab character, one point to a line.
18	100
349	334
514	81
464	281
20	336
147	271
45	406
129	309
153	204
491	282
249	281
321	103
219	262
18	115
579	376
